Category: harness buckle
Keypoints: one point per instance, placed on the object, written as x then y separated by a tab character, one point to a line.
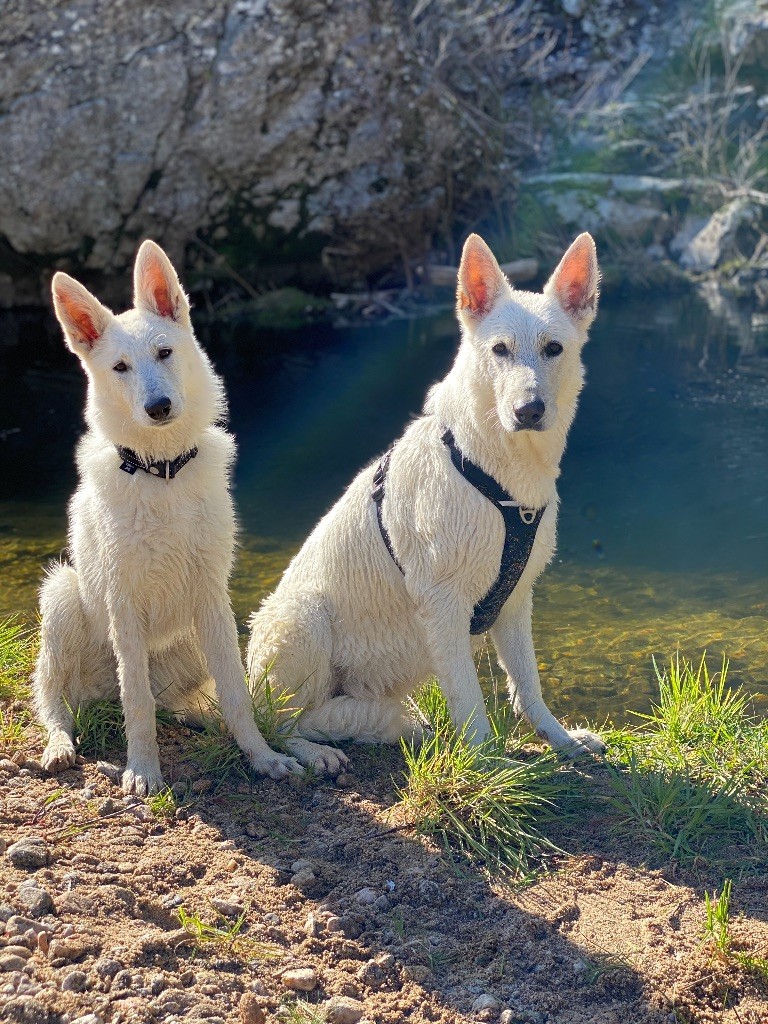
528	515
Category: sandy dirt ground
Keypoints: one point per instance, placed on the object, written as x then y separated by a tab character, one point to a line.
343	913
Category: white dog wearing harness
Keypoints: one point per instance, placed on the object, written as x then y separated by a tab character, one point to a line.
444	538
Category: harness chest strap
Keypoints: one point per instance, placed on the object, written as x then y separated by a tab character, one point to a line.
520	527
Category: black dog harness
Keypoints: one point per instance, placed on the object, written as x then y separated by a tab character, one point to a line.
166	469
520	526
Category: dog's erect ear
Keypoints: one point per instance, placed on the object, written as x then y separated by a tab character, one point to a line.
480	280
576	282
82	316
156	286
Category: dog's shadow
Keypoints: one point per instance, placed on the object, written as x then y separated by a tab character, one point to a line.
394	919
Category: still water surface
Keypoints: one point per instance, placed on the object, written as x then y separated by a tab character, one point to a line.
663	535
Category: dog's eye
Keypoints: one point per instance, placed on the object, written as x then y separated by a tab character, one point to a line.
500	349
554	348
120	367
164	353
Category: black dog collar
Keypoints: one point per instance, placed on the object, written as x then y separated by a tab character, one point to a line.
165	470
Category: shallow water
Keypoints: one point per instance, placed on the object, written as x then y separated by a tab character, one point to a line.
664	500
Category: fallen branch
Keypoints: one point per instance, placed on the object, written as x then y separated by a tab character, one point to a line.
517	270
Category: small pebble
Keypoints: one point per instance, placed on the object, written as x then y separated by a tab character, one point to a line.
201	785
21	951
107	968
107	806
302	979
366	896
35	900
251	1009
112	772
301	865
343	1010
9	962
313	927
345	780
303	878
28	854
228	909
232	865
9	767
75	981
485	1002
42	942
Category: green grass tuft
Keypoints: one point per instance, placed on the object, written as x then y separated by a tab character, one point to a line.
215	752
98	727
691	779
18	648
717	923
475	798
226	936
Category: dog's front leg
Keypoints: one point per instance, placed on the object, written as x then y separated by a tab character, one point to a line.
217	633
447	628
142	773
513	638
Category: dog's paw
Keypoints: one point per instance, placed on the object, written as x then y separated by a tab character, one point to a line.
142	779
59	754
582	741
276	766
321	759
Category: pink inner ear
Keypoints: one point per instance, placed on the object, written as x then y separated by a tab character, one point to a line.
478	274
80	319
573	281
157	286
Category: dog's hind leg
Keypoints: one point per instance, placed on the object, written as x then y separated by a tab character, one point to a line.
182	684
362	719
290	648
56	679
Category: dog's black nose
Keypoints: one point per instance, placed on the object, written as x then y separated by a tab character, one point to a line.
530	415
158	410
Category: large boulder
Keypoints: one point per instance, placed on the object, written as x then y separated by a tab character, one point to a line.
293	138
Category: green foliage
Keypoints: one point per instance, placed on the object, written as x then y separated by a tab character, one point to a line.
98	727
473	797
226	936
215	752
297	1011
162	804
691	779
717	924
18	647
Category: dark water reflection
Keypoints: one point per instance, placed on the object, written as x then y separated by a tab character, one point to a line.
663	527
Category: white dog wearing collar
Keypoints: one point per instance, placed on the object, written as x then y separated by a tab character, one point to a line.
348	632
143	611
